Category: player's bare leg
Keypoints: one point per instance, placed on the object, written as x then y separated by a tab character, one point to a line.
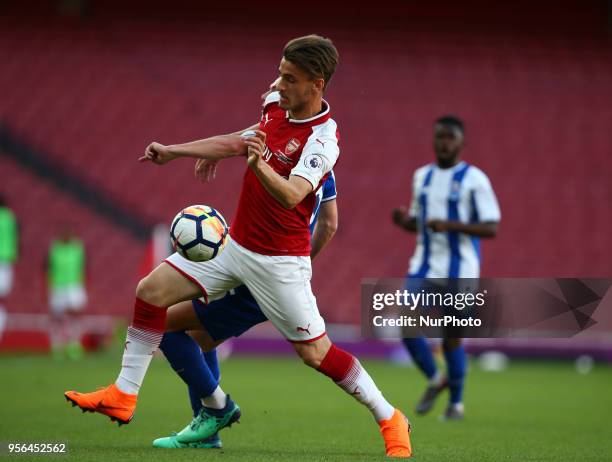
203	338
182	317
163	287
346	371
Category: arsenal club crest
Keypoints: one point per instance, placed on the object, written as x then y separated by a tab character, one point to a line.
292	146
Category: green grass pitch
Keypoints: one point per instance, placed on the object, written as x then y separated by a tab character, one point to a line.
537	411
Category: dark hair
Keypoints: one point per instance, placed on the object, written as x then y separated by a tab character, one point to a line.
314	54
451	120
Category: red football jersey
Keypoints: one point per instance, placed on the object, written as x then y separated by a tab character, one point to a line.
307	148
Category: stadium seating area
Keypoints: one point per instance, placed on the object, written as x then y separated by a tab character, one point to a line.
93	93
112	255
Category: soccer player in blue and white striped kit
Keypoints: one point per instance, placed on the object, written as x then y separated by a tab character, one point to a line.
453	206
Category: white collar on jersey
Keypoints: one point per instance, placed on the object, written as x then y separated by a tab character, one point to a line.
450	169
320	114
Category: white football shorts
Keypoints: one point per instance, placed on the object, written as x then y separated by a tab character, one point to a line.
6	279
73	298
279	284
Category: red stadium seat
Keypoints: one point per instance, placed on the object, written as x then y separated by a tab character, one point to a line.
537	110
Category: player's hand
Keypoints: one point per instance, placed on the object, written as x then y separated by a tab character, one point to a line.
206	170
399	214
438	226
256	145
157	153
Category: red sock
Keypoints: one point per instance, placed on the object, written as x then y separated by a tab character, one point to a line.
149	317
344	369
337	364
143	338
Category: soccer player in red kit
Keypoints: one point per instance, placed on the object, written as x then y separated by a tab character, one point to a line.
289	156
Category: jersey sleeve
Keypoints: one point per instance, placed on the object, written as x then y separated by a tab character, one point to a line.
319	155
273	97
329	188
484	203
413	211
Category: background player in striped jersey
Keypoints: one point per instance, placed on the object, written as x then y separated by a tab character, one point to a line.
222	319
453	205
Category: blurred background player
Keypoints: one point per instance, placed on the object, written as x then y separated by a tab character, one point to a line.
453	205
9	251
9	248
67	296
223	319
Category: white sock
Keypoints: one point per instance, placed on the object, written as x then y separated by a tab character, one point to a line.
217	400
139	348
360	385
457	406
436	380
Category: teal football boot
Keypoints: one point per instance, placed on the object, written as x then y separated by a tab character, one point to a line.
209	421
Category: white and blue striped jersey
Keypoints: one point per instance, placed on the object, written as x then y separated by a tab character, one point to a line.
325	193
461	193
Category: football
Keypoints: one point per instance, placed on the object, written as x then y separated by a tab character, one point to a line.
198	233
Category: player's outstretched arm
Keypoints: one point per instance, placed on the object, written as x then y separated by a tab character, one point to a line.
326	227
487	229
206	169
289	192
402	218
214	148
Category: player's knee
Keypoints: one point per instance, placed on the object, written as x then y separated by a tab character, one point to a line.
149	292
203	338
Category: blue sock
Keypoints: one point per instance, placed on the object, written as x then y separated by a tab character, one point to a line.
421	355
195	400
186	358
456	362
213	365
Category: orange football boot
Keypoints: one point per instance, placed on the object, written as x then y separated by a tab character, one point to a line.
110	401
396	433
